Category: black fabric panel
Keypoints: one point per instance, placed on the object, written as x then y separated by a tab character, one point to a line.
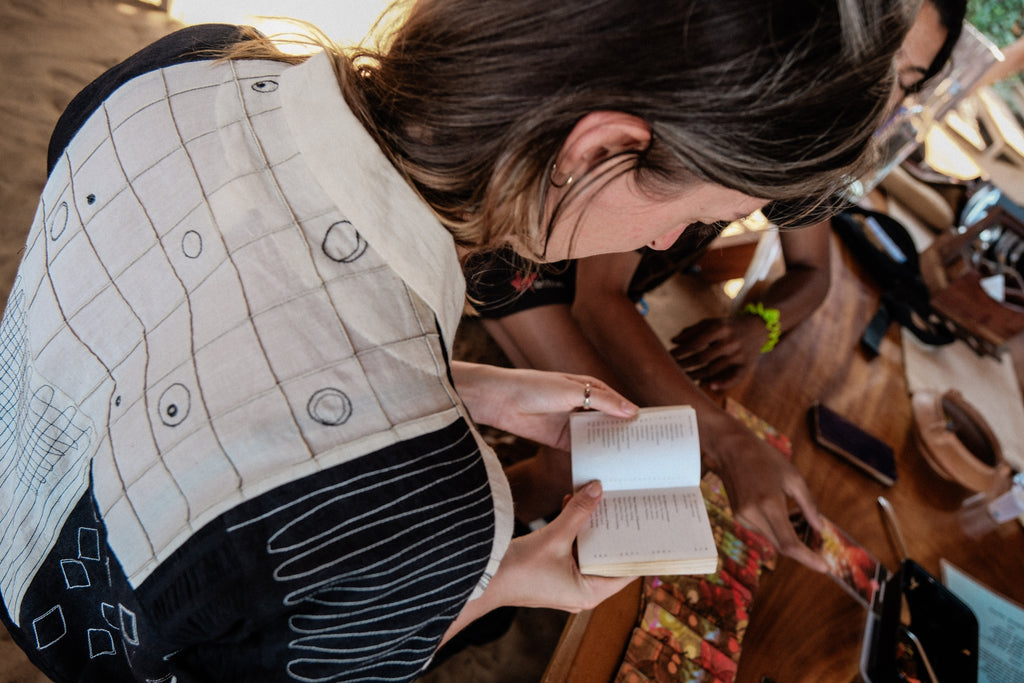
191	44
349	574
80	620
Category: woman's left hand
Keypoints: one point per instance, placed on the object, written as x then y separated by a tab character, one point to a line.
533	404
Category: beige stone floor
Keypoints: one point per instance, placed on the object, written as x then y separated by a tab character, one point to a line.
49	49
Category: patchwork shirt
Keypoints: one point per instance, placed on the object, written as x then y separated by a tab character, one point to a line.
232	314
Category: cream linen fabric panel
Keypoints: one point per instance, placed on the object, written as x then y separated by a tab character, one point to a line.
202	284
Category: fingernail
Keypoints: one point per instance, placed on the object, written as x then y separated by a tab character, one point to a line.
628	408
593	489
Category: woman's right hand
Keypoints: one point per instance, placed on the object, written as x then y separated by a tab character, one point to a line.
545	565
540	569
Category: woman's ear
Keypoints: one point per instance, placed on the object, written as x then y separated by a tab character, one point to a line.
598	136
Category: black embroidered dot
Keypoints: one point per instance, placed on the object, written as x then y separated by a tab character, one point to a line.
117	401
90	198
174	405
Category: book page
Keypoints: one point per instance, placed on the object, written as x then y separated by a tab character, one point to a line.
1000	626
658	449
644	526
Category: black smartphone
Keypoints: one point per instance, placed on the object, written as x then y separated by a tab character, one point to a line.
946	627
865	451
918	630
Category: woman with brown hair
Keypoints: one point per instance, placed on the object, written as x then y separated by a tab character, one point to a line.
235	447
582	316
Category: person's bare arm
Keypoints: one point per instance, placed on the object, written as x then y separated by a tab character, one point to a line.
603	335
758	478
722	351
804	286
1013	61
547	338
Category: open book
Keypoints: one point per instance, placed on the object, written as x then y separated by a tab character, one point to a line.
652	518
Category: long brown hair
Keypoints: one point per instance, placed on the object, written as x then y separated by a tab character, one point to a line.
472	99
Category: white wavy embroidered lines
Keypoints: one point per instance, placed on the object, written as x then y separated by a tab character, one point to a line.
375	587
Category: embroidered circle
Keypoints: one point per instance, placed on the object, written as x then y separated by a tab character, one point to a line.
59	221
192	244
329	407
174	405
343	243
264	86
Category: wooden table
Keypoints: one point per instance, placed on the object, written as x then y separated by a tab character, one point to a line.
803	627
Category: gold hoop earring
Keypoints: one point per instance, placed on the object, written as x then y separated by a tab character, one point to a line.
566	183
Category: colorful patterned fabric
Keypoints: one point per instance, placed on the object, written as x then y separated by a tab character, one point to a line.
691	628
